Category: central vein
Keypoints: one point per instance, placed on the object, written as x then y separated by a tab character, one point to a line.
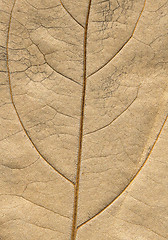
76	191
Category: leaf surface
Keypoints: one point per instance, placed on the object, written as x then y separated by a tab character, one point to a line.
83	119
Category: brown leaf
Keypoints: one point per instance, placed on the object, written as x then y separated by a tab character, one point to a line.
83	119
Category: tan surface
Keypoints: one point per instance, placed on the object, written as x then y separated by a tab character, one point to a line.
83	120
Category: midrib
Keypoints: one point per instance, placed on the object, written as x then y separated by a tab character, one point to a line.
76	190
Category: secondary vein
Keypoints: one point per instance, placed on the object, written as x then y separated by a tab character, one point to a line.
12	100
132	179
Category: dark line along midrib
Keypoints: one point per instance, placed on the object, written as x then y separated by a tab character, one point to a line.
76	190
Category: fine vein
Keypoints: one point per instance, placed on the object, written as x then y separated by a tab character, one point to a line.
122	45
12	100
108	124
146	159
76	190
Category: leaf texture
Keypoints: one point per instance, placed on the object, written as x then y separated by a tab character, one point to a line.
83	116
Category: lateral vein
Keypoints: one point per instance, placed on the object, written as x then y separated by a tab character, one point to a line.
12	100
102	210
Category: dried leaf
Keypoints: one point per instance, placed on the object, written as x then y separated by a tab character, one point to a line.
83	116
